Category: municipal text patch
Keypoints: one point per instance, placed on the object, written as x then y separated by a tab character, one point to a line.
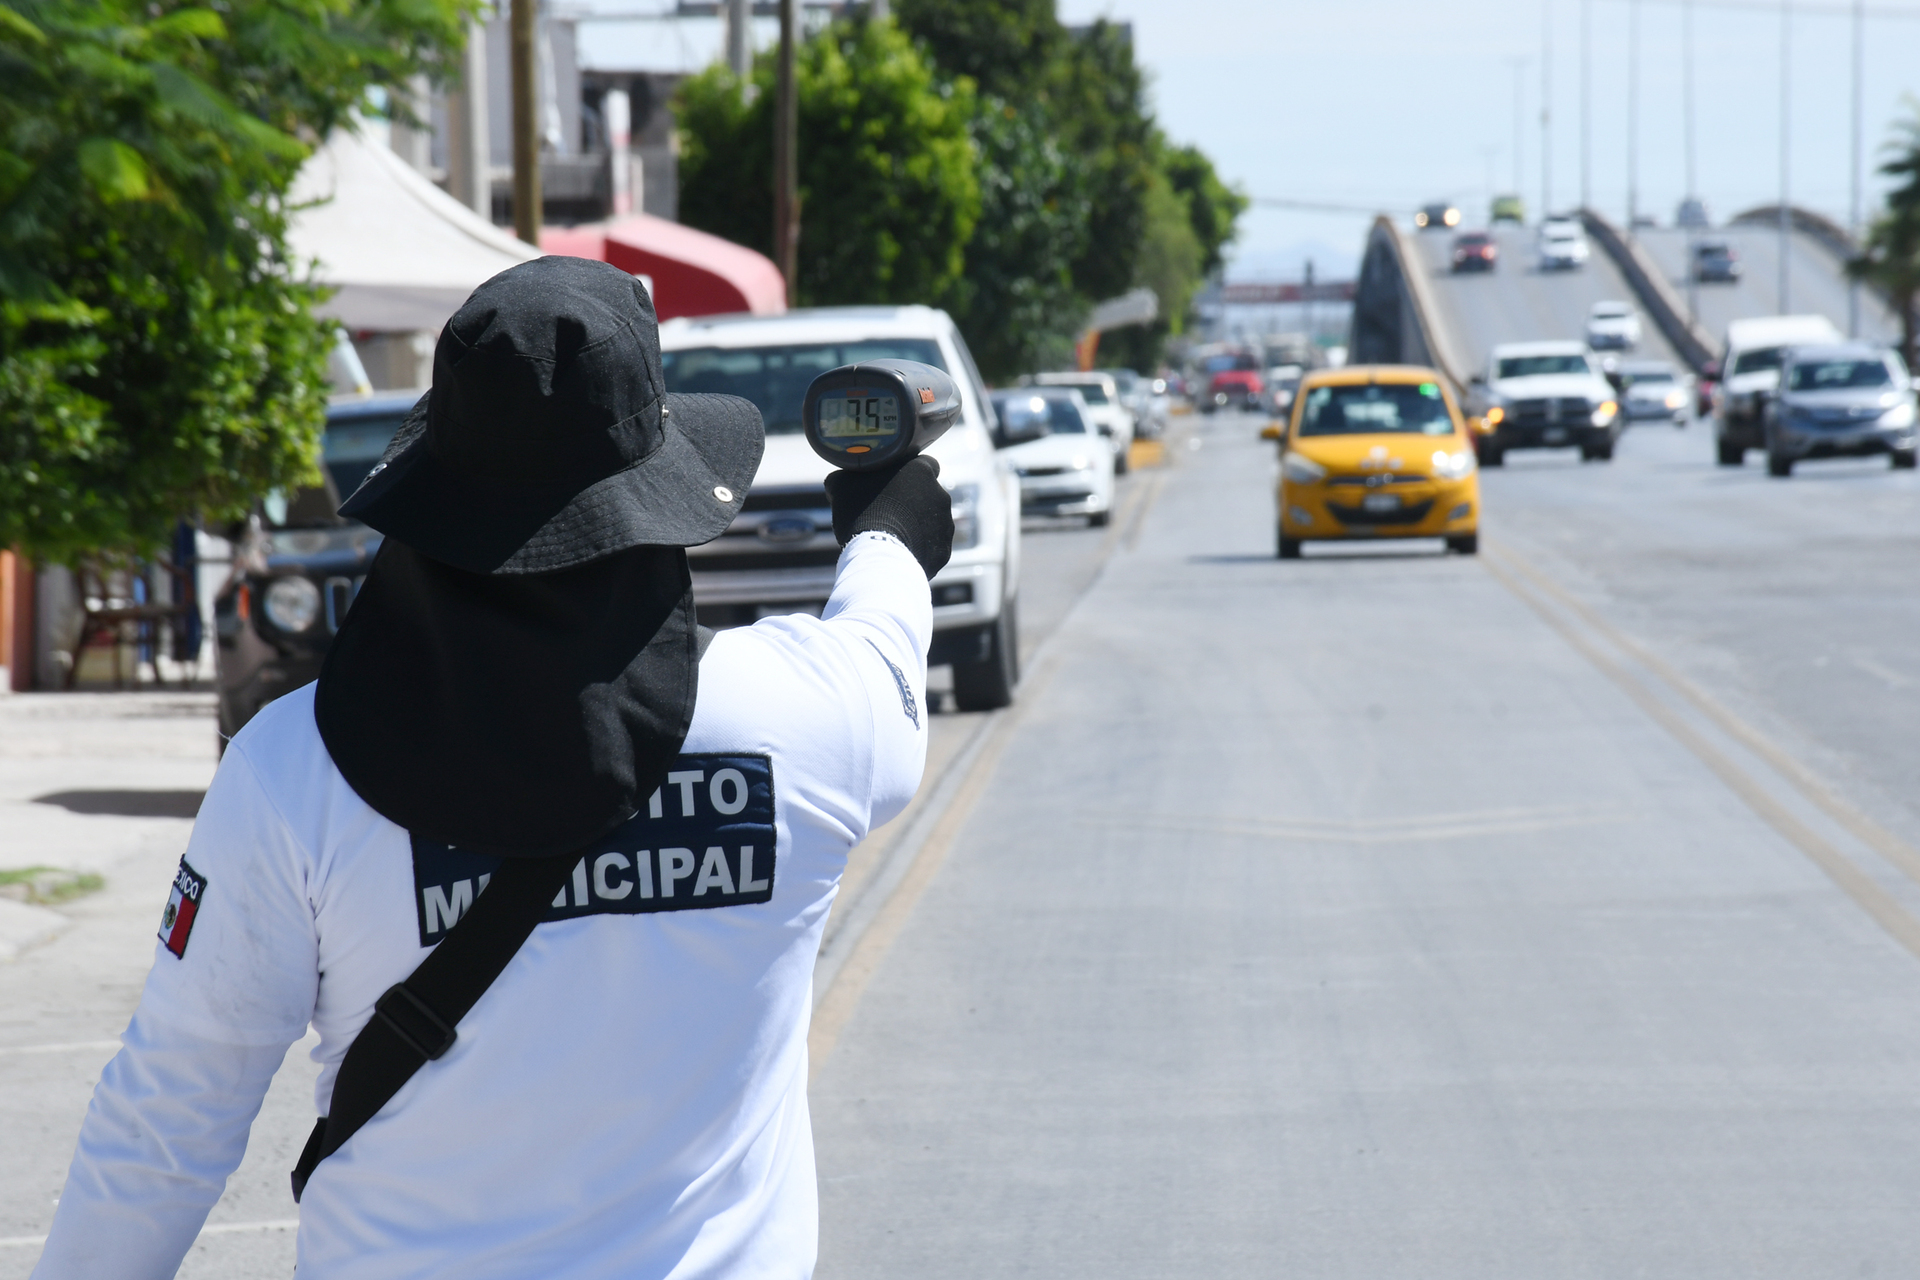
705	839
183	904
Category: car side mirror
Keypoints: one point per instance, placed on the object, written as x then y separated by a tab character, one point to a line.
1273	431
1479	427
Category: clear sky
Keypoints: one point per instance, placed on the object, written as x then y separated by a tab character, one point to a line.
1396	102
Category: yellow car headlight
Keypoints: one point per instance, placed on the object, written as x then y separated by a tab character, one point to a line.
1301	469
1454	466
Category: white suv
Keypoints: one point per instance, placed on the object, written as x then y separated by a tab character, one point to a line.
1102	395
1563	245
779	554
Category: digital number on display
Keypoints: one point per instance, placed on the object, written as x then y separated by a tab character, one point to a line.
855	415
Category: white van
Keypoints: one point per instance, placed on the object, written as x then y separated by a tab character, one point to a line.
779	554
1750	374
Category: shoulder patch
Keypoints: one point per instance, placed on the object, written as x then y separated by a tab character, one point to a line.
183	905
909	706
706	839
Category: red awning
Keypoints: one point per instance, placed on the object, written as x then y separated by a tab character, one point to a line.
693	273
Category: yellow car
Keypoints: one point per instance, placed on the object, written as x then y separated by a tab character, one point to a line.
1376	451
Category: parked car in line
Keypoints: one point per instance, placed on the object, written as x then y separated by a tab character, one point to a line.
779	554
1137	394
1613	326
1509	208
1441	215
1750	374
1474	251
1653	389
1375	451
298	565
1233	389
1691	215
1048	438
1847	401
1545	395
1562	245
1109	416
1715	262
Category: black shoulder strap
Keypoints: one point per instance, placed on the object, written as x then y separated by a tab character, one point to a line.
413	1023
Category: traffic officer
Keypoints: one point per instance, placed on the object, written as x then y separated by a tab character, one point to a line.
521	729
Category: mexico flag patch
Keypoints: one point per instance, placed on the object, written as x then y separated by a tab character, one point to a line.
183	904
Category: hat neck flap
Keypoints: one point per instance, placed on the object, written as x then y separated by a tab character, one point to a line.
514	715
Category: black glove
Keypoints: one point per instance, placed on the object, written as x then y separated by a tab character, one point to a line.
905	501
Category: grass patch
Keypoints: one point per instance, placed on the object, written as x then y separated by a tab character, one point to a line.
47	886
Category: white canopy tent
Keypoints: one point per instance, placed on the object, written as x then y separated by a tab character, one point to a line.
401	253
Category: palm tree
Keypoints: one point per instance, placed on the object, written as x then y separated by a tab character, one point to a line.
1890	257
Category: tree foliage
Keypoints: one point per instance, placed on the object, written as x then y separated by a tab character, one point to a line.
159	355
1890	257
888	190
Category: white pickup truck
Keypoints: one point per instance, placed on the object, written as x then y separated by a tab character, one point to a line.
779	554
1545	395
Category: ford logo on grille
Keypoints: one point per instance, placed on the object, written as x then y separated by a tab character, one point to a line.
791	528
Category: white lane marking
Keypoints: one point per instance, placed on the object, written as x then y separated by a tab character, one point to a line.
73	1046
1457	826
214	1229
1888	674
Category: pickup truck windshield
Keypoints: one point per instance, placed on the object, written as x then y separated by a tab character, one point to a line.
776	378
1400	408
1757	361
1539	366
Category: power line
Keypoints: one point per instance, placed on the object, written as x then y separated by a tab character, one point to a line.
1907	12
1322	206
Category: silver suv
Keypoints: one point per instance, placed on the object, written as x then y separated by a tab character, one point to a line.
1843	401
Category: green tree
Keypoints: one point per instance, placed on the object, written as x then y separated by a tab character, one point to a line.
888	188
158	352
1017	303
1890	258
1008	48
1213	208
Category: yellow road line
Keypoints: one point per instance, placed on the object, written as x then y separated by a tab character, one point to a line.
1842	870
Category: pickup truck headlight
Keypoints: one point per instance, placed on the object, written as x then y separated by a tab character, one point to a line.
1301	469
966	516
1901	415
1603	413
292	604
1454	466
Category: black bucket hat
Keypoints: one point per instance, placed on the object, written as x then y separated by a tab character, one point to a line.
520	668
549	440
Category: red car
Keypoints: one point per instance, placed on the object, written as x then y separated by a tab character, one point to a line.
1475	251
1233	388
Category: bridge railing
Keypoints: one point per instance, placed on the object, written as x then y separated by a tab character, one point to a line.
1689	340
1396	317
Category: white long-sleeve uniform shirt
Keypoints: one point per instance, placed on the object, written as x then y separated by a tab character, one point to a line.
629	1098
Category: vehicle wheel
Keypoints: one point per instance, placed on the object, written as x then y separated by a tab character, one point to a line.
1464	544
1099	519
1597	452
1493	458
1904	459
1779	465
1120	462
1731	454
1289	548
988	685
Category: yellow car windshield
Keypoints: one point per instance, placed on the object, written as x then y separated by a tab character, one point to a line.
1394	408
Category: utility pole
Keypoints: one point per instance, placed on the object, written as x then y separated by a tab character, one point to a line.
1693	189
740	37
1633	116
1307	297
1519	116
469	155
1546	108
877	9
1786	117
786	169
526	123
1859	54
1586	104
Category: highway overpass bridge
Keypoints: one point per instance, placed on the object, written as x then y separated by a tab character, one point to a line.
1410	306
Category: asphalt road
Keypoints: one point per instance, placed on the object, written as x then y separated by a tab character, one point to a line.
1516	302
1814	283
1390	914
